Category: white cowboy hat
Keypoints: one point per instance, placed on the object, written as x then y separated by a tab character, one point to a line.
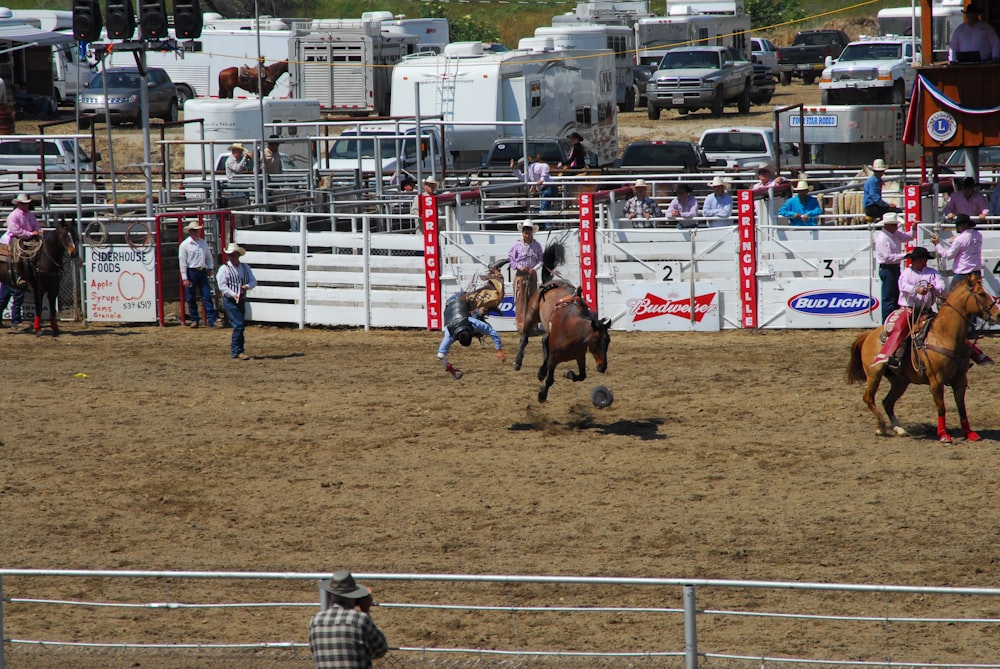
762	167
193	225
236	145
640	183
802	186
22	198
719	181
878	165
233	247
890	218
529	224
431	180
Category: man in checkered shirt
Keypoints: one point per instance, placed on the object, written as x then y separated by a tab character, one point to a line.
344	636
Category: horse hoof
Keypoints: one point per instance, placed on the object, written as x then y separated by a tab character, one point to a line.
516	366
569	375
972	436
900	431
946	439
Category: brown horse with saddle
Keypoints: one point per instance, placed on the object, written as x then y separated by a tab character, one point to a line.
246	77
941	359
40	265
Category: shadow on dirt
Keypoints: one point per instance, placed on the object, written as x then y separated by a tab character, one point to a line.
581	417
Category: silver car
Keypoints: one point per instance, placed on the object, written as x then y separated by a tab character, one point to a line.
123	96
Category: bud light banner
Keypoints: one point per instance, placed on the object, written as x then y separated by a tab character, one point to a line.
825	304
668	306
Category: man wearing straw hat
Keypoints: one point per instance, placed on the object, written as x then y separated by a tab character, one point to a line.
889	253
641	206
234	279
803	208
239	161
344	636
21	224
718	205
875	207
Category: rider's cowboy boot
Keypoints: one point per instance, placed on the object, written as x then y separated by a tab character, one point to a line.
979	355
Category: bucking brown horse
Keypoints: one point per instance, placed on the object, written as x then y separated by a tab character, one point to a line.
246	78
944	356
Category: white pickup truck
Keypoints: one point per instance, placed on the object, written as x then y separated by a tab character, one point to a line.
870	71
739	148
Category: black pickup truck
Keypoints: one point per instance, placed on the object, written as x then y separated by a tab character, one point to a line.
646	155
806	57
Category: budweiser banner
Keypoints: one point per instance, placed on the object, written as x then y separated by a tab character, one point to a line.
668	306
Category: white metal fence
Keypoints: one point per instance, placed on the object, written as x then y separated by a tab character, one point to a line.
665	622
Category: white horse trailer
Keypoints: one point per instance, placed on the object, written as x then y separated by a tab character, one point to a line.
689	27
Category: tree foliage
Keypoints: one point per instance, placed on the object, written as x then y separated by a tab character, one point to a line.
462	27
770	13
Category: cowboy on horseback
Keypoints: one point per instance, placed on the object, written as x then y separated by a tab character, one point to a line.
21	225
524	256
461	327
919	288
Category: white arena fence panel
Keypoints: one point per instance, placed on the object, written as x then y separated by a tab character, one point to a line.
160	619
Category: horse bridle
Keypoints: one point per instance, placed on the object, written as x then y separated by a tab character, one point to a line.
971	319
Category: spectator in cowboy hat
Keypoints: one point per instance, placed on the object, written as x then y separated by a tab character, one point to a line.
239	161
430	188
965	250
718	205
578	154
975	40
889	252
967	200
344	636
641	206
802	208
234	279
684	206
872	201
766	178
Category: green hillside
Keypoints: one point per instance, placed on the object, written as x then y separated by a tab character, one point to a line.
508	22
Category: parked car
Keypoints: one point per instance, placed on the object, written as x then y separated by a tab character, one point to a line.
660	154
739	147
123	96
764	84
763	51
553	150
641	75
699	77
806	57
871	71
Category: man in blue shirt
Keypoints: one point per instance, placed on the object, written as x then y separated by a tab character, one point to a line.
875	207
802	208
461	327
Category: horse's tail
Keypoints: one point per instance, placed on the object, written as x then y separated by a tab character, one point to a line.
553	256
856	367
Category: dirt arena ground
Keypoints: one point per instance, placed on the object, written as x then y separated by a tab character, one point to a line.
736	455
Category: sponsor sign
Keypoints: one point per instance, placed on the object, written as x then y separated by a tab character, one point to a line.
505	309
747	231
814	121
432	260
664	307
823	304
120	283
588	250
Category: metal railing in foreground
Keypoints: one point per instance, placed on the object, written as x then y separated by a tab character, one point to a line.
115	618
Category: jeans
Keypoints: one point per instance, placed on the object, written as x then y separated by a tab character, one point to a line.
236	311
890	289
6	293
548	192
199	287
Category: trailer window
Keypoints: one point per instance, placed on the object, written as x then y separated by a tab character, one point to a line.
584	116
535	94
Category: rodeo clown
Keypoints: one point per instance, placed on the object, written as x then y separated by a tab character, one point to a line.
459	325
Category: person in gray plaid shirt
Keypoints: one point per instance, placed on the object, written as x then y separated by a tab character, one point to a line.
640	207
344	636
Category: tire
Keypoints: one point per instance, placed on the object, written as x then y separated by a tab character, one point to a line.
683	111
809	79
786	78
653	112
171	115
184	93
743	104
824	98
717	105
83	124
897	95
640	99
630	98
56	98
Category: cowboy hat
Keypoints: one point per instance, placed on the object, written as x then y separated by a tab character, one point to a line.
964	219
236	145
919	252
640	183
431	180
193	225
802	186
968	182
719	181
973	8
575	135
21	198
343	584
233	247
764	167
878	165
527	224
890	218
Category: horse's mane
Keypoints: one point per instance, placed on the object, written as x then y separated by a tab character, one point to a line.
553	256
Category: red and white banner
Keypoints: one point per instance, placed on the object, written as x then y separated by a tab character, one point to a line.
432	260
911	211
748	259
664	306
588	250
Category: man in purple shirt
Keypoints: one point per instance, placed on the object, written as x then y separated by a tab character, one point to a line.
524	256
974	36
684	206
889	252
965	250
967	201
919	288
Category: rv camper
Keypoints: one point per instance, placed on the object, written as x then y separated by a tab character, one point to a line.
619	39
693	23
906	21
39	53
549	92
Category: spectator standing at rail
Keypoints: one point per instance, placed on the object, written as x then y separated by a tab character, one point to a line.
22	224
802	209
578	154
889	253
965	250
234	279
684	207
344	636
430	188
875	207
641	207
539	175
766	179
718	205
196	264
271	160
238	162
974	35
967	201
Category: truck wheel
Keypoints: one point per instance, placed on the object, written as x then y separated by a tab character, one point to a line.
184	93
171	115
653	112
809	79
744	102
898	94
824	98
629	104
717	105
786	78
639	98
683	111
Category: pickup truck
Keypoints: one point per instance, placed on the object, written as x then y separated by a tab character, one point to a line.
739	148
553	150
663	154
870	71
806	57
699	77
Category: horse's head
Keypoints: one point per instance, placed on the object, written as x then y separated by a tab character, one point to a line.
600	340
978	302
68	239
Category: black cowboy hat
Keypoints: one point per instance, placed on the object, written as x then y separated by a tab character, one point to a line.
964	219
575	135
969	182
919	252
973	8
